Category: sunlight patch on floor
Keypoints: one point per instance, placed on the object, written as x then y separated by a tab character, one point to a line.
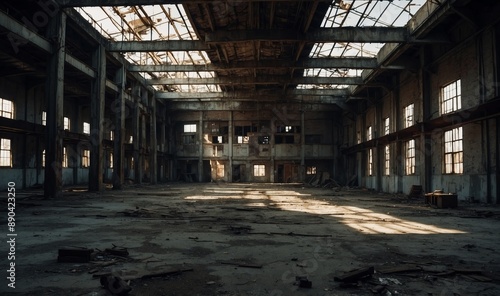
357	218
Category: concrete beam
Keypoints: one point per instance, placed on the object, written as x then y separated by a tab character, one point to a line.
20	35
248	105
82	67
160	45
347	62
251	95
261	80
344	34
87	3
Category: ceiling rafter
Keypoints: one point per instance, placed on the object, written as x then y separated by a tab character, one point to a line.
235	46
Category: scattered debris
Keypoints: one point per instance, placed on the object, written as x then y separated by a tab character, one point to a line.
399	268
355	275
241	264
303	282
115	285
378	289
165	273
441	200
75	255
117	251
388	281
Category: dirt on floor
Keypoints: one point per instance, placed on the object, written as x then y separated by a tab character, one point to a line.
251	239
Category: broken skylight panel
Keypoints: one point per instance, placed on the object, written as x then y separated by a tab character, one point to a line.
152	23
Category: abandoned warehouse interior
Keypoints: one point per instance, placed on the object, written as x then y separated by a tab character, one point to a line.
266	147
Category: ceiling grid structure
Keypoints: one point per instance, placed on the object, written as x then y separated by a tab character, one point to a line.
268	48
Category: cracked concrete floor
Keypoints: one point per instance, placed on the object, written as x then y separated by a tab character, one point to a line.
254	239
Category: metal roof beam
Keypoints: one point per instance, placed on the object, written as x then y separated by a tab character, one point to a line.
293	93
160	45
343	34
87	3
260	80
347	62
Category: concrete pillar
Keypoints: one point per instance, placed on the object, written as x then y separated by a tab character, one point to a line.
118	108
363	163
164	162
399	155
230	133
272	145
497	157
153	155
97	101
163	137
200	151
302	172
425	138
54	92
171	144
379	150
136	144
142	143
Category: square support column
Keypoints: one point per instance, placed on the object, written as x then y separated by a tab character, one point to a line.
153	156
200	151
426	141
230	144
97	101
302	172
54	91
118	108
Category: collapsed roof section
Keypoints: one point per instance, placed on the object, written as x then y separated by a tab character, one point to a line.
252	46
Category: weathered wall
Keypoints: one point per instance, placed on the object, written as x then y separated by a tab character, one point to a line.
473	62
314	135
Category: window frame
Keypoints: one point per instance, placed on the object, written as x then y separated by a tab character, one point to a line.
85	158
311	170
451	93
65	163
457	151
190	128
410	157
86	128
44	118
370	162
387	160
5	153
387	125
409	119
66	123
259	170
4	112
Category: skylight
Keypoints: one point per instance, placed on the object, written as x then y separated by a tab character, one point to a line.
152	23
359	13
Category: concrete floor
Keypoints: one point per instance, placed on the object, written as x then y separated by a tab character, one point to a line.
277	232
